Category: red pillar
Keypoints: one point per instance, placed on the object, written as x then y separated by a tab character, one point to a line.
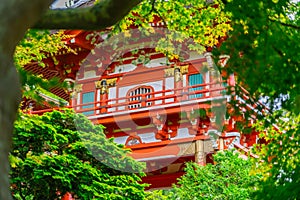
103	102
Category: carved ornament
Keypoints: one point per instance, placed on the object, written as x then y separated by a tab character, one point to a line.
110	82
184	69
76	90
186	149
171	71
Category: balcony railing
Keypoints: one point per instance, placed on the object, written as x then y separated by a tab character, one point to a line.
157	98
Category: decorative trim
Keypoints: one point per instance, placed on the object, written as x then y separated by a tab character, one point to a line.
98	84
170	71
187	149
184	69
223	60
205	64
77	89
103	88
177	74
112	82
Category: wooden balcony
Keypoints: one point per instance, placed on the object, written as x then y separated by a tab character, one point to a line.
168	101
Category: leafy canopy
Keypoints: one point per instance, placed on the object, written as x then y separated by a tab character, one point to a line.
184	19
228	178
32	50
264	51
61	152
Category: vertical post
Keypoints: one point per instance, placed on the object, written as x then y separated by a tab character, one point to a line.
143	100
70	87
199	152
103	96
207	81
221	143
177	84
76	96
203	147
213	78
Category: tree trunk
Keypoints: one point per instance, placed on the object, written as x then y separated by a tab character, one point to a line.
10	96
16	16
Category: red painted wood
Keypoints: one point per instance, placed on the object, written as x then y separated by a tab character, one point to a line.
162	180
67	196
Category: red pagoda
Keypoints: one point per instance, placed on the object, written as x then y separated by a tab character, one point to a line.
167	112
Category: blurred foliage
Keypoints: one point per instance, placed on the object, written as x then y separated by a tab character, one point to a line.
61	152
264	51
279	158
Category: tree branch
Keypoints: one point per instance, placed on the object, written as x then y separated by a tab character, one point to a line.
285	24
102	15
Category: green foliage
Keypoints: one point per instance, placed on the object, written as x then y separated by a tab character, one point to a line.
229	178
280	157
185	19
159	195
36	46
264	53
61	152
263	49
